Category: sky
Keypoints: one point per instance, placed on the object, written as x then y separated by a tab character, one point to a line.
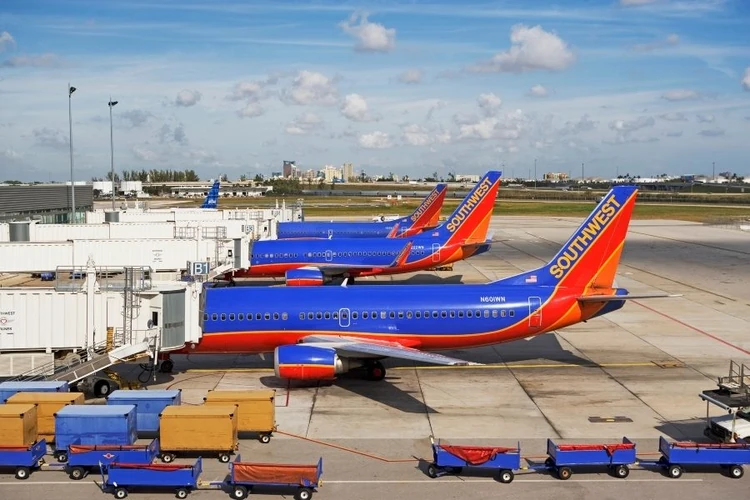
235	87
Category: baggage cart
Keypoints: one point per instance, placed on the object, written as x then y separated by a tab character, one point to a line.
18	425
148	403
24	459
452	458
243	477
82	458
615	456
9	388
728	456
198	429
93	424
120	477
47	403
256	410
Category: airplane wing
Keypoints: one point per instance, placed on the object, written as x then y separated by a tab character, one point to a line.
352	347
609	298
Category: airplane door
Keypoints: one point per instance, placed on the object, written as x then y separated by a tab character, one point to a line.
329	256
436	252
344	317
330	233
535	312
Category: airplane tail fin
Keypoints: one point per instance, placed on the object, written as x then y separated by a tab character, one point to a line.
427	213
588	260
212	200
468	224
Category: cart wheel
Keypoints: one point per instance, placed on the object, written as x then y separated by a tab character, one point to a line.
22	473
224	458
167	458
121	493
181	493
674	471
622	471
303	494
432	471
265	438
77	473
506	476
707	432
239	492
736	471
61	456
564	473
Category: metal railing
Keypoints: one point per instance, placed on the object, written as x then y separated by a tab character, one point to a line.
738	380
113	278
50	370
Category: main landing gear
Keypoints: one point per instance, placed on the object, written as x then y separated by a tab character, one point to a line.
375	371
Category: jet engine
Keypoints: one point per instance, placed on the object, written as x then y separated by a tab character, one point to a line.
301	362
304	276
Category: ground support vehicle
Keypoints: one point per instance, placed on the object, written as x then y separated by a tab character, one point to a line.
676	455
452	459
24	459
244	477
120	477
83	458
617	457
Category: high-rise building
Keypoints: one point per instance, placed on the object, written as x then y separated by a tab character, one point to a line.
289	167
348	171
331	173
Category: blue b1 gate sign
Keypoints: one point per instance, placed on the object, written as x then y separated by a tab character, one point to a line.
198	268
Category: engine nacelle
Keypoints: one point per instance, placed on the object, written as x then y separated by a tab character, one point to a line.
301	362
304	276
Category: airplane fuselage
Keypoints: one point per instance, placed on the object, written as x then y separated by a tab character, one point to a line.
292	230
250	319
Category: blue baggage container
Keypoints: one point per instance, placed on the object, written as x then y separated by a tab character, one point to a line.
94	424
730	456
8	389
456	458
120	477
149	404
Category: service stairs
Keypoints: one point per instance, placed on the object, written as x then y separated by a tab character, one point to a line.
88	362
738	381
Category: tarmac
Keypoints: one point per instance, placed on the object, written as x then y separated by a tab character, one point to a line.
636	372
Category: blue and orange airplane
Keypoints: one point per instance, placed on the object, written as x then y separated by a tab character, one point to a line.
319	333
310	262
425	217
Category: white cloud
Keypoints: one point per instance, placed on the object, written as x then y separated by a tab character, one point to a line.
746	79
6	40
375	140
411	76
625	127
11	154
310	87
187	98
416	135
136	117
144	154
680	95
489	103
371	37
51	138
712	132
355	108
246	90
538	91
532	48
251	110
307	122
674	117
585	124
706	118
41	61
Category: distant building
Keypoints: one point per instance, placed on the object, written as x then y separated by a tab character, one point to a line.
289	168
467	178
331	173
348	171
556	176
47	203
309	174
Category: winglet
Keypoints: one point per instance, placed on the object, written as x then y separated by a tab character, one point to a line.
402	255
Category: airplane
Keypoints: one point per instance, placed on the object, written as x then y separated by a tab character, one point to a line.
312	262
316	334
424	217
212	200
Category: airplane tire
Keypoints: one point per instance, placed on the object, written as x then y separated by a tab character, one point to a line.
375	371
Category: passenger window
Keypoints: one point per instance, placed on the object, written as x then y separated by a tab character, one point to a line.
512	313
284	316
460	314
400	315
478	314
418	314
335	315
392	315
344	315
365	315
453	314
502	313
309	315
494	313
318	315
443	314
301	315
383	315
205	316
214	317
223	316
469	314
408	314
434	314
231	316
258	316
486	313
327	315
267	316
241	316
426	314
355	315
374	315
276	316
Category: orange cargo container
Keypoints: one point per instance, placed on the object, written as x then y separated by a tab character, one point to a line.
47	404
17	425
256	410
198	429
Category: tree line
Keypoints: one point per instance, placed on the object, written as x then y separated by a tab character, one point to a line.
153	175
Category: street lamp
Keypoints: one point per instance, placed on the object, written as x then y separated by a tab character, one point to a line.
111	105
72	184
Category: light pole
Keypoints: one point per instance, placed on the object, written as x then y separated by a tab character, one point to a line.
72	184
534	173
111	105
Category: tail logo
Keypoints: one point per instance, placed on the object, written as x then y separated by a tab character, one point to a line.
469	205
586	235
424	206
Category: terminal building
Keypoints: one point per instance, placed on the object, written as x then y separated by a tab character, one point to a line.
46	203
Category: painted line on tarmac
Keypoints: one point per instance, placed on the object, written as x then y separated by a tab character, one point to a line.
469	367
694	328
